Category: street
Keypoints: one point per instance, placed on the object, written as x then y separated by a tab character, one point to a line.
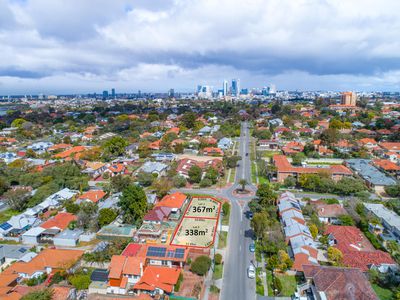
236	284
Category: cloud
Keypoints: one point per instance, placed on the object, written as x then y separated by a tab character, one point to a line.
155	45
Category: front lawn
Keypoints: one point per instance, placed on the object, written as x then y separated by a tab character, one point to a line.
383	294
289	284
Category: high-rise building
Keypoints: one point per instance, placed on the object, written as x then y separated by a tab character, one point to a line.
265	91
205	92
272	89
171	93
105	95
113	93
235	87
349	98
225	88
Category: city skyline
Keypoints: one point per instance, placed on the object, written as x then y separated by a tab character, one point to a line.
57	47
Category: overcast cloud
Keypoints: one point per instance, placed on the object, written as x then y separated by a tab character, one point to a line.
61	46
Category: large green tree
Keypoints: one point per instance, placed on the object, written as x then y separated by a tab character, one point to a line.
114	146
195	173
133	203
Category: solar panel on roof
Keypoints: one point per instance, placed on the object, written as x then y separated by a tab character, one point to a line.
22	250
5	226
170	253
179	253
156	251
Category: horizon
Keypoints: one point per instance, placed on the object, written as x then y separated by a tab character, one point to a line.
70	47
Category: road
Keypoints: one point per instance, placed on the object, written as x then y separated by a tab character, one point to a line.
236	284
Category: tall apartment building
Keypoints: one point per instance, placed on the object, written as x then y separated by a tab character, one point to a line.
349	98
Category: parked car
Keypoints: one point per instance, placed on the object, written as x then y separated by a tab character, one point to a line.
252	247
250	214
251	272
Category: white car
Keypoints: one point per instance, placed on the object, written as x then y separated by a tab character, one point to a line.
251	272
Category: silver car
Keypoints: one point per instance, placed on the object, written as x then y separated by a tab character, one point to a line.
251	272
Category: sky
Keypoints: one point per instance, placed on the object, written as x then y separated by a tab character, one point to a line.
83	46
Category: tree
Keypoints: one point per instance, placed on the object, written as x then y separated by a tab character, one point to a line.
133	203
145	179
231	161
212	174
393	190
329	136
114	146
87	216
189	119
349	185
18	122
3	185
243	183
195	174
284	260
259	224
16	198
313	230
218	259
179	181
45	294
266	195
162	186
346	220
289	182
335	256
205	182
298	158
80	281
226	208
119	183
71	207
201	265
106	216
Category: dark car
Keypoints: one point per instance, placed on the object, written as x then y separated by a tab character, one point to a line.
247	154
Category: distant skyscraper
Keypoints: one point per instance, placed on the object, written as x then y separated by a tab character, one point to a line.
265	91
235	87
105	94
205	92
171	93
272	89
349	98
225	88
113	93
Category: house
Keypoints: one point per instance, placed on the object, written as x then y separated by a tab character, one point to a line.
46	262
303	249
292	148
16	226
59	221
95	169
285	169
116	169
225	143
174	201
330	213
155	145
357	251
71	152
164	156
93	196
389	219
131	149
67	238
387	166
368	143
390	146
40	146
332	283
157	215
124	271
157	280
58	147
154	168
374	178
276	122
213	151
185	164
12	253
268	144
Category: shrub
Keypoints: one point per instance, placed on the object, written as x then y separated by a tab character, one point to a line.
80	281
218	259
178	283
201	265
205	182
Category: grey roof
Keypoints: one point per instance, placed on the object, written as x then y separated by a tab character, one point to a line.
296	229
69	234
382	212
151	167
370	173
13	251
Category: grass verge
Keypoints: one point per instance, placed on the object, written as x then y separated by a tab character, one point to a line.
7	214
259	283
222	239
383	294
217	274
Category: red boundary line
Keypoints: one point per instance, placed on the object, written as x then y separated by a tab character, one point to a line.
216	224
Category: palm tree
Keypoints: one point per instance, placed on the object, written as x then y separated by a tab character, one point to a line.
243	183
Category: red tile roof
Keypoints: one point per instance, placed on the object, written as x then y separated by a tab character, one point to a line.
174	200
61	221
386	165
158	277
93	195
